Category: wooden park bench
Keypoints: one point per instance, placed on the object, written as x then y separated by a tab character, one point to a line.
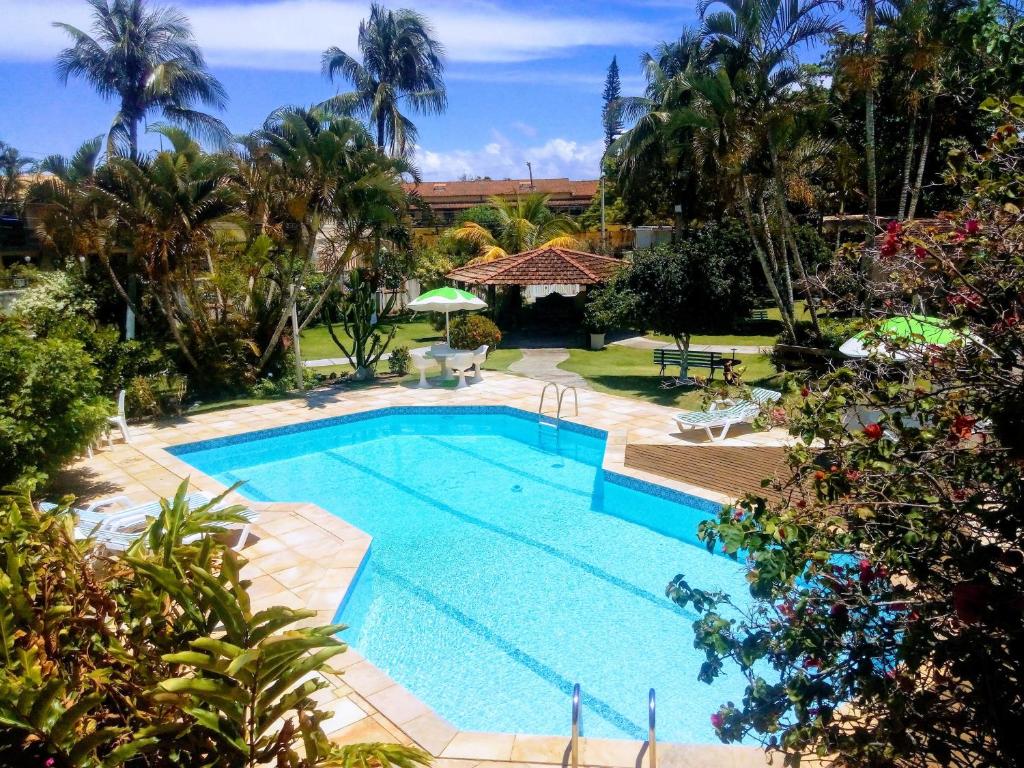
758	314
666	356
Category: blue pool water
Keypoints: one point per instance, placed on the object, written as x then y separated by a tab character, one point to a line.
506	565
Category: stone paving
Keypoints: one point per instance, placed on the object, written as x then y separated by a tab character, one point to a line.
542	363
293	541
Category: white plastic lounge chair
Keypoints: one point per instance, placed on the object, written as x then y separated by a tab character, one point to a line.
118	530
422	363
479	358
119	421
725	413
461	362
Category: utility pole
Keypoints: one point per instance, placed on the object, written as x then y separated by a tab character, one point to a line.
529	167
604	238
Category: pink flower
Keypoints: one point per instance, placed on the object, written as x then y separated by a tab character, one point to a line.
920	252
973	226
717	721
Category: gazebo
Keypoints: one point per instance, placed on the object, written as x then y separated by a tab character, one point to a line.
541	271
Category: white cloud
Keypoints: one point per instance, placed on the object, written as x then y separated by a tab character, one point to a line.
503	158
291	34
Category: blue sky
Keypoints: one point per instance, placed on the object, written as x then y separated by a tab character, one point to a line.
524	78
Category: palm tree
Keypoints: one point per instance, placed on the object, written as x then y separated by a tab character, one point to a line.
334	191
146	57
758	41
13	165
402	62
651	146
167	208
70	221
523	224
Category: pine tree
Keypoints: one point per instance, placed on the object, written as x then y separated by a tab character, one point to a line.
611	116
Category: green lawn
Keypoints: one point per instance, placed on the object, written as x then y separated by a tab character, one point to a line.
631	373
416	332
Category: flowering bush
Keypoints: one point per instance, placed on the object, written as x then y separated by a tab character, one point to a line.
471	331
888	621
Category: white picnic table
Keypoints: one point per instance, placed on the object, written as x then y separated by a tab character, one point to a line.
441	354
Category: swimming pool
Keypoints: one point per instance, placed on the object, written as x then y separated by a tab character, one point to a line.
506	565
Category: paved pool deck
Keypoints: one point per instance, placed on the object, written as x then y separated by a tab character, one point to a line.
305	557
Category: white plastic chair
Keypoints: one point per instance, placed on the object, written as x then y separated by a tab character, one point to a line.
119	530
479	358
422	363
461	362
119	421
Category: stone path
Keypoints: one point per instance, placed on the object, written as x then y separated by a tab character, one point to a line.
642	342
542	363
323	362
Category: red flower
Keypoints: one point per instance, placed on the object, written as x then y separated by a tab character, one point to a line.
853	475
921	252
805	391
894	227
819	475
958	237
963	426
873	431
717	721
969	600
973	226
811	663
737	514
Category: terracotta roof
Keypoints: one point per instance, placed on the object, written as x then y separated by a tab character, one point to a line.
438	191
541	266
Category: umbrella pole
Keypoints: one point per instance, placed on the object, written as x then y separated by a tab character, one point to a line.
447	332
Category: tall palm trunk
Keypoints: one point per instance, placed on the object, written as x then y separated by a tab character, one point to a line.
869	127
787	234
770	276
908	164
915	193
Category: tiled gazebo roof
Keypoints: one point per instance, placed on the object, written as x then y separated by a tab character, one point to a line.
541	266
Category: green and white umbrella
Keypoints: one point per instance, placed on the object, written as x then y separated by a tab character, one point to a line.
446	300
911	334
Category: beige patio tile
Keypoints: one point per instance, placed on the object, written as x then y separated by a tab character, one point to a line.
366	679
480	745
540	749
363	731
397	704
430	732
609	752
344	714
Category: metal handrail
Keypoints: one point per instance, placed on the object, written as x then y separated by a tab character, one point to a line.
652	743
576	400
543	392
575	743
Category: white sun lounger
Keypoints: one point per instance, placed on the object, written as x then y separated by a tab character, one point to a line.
119	530
725	413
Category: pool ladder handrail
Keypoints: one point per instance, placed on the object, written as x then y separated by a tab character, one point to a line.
575	742
575	397
559	398
652	743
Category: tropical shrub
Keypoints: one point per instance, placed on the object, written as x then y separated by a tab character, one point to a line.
155	657
472	331
609	306
50	403
888	583
399	361
690	287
